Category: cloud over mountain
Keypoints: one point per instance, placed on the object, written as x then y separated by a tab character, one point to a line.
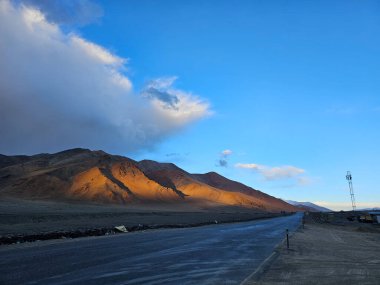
59	90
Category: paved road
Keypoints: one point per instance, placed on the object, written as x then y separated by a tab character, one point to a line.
217	254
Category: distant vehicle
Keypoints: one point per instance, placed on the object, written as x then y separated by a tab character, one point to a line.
370	217
365	218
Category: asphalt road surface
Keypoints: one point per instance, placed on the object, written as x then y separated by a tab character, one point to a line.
216	254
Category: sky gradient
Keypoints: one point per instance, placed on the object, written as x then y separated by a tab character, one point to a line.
283	96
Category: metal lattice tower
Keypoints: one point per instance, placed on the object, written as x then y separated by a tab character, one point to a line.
349	179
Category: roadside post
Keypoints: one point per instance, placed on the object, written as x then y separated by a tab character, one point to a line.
287	238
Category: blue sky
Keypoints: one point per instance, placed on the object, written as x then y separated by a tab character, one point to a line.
291	88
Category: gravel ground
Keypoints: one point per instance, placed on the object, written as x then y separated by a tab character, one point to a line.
25	218
327	253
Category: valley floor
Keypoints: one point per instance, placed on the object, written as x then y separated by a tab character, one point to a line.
22	217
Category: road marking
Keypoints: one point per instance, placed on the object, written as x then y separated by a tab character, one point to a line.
267	261
261	268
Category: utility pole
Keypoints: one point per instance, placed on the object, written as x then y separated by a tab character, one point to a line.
349	179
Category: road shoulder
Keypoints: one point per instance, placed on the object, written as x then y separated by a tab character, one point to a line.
325	254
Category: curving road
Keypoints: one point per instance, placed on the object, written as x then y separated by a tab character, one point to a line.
217	254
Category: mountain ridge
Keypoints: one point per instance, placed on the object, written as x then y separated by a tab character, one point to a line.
96	176
308	206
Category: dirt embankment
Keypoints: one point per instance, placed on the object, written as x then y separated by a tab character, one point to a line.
330	249
22	221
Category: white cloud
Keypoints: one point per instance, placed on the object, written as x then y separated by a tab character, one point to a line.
223	160
273	173
59	90
226	152
178	106
97	52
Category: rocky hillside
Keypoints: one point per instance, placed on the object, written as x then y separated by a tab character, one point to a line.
95	176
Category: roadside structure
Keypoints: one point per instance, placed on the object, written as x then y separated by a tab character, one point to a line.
352	195
375	215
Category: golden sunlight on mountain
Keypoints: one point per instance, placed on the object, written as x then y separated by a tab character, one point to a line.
95	176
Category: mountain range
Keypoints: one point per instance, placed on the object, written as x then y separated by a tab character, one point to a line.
308	206
95	176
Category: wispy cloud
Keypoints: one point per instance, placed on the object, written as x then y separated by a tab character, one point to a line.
274	173
304	181
226	152
172	154
223	160
59	90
